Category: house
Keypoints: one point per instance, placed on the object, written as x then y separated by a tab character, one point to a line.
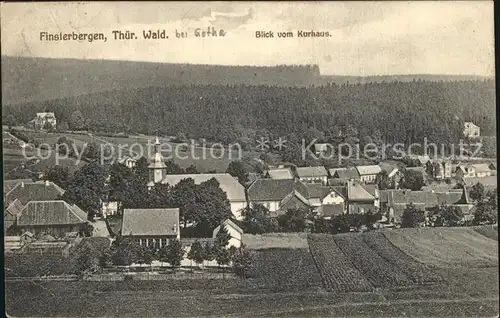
320	195
321	148
234	190
367	174
479	170
344	174
11	213
34	191
471	130
128	162
328	211
275	194
490	183
439	169
233	229
109	208
312	174
394	202
44	120
151	227
55	218
279	174
359	199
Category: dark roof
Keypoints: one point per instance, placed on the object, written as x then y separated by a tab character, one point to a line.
318	191
427	198
305	172
150	222
275	190
51	213
329	210
349	173
37	191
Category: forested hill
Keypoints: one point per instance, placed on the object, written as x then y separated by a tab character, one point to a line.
27	79
398	111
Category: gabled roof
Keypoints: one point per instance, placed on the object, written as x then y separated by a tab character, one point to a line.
275	190
368	170
480	167
34	191
357	192
346	174
51	213
318	191
150	222
234	190
15	207
425	198
233	224
11	184
293	194
280	174
307	172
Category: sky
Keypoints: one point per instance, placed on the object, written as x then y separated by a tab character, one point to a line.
367	38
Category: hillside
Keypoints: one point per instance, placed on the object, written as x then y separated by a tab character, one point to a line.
395	112
37	79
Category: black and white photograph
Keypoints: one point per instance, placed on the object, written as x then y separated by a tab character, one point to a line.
249	159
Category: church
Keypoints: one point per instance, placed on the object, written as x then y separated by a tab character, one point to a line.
234	190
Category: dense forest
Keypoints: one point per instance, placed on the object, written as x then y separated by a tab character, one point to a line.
395	112
27	79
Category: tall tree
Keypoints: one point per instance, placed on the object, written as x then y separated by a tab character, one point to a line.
86	188
413	180
77	121
237	169
175	253
196	252
412	217
477	193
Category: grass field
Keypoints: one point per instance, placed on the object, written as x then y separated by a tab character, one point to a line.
490	231
445	247
331	276
203	159
275	240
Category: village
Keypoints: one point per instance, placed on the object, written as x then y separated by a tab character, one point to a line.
416	191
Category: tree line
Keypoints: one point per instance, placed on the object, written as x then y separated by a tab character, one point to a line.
403	112
88	259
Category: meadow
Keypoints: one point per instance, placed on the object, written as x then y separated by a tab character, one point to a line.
382	273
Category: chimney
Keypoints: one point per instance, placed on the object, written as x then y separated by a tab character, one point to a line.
47	183
22	184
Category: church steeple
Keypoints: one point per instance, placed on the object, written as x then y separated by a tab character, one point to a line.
157	167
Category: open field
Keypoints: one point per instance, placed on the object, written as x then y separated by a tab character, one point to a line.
275	240
445	247
203	159
280	269
337	271
417	272
290	280
376	270
490	231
